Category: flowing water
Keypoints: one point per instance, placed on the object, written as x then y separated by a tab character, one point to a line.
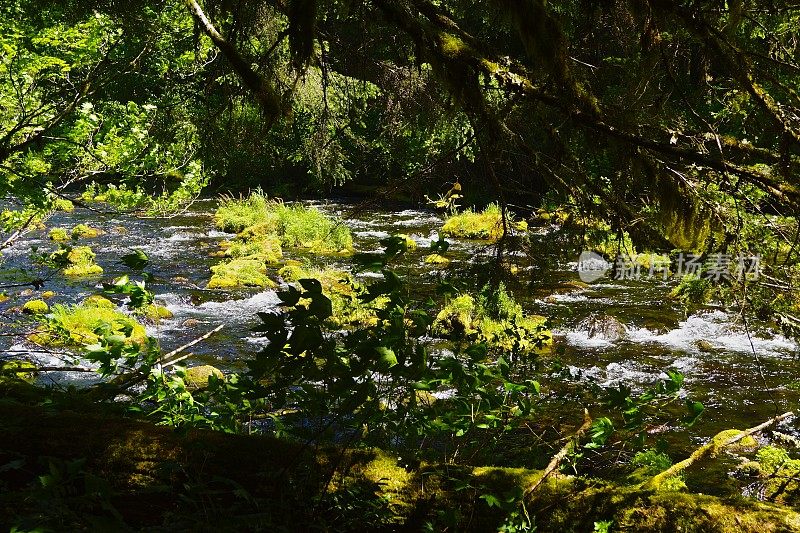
741	377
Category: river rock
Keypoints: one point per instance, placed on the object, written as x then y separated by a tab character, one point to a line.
704	346
191	323
603	327
197	376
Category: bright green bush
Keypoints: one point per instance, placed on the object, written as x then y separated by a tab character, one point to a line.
236	214
77	261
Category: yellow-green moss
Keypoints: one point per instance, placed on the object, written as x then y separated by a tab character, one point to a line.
495	318
155	313
436	259
97	300
17	371
82	231
58	235
35	307
486	225
77	261
240	273
75	325
46	295
197	377
266	249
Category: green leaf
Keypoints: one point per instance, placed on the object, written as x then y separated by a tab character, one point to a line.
694	409
386	356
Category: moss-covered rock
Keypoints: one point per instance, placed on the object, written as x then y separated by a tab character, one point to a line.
485	225
75	326
17	371
266	249
437	259
63	204
495	318
77	261
240	273
197	377
3	297
46	295
58	235
35	307
155	313
100	301
82	231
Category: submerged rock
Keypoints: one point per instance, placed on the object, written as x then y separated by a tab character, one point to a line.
599	326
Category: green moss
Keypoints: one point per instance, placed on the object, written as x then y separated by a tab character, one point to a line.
77	261
155	313
256	218
436	259
197	377
494	318
62	204
35	307
411	244
75	326
46	295
97	300
235	215
17	371
58	235
342	290
266	249
3	297
486	225
240	273
82	231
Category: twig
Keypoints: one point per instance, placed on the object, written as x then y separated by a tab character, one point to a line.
557	458
167	359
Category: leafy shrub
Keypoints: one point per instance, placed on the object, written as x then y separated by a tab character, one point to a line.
234	215
693	290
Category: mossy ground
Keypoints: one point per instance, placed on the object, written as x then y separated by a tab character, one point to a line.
365	489
82	231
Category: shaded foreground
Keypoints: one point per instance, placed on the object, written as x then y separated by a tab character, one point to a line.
71	469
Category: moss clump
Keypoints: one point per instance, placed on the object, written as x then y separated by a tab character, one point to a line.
411	244
82	231
197	377
436	259
240	273
97	300
267	249
62	204
155	313
77	261
777	475
75	326
3	297
693	290
486	225
17	371
256	219
235	215
495	318
58	235
46	295
342	290
35	307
